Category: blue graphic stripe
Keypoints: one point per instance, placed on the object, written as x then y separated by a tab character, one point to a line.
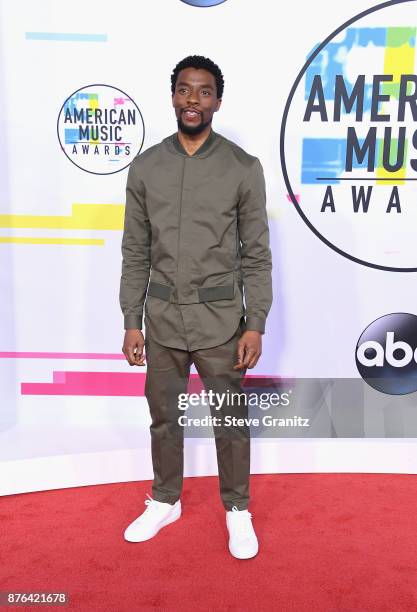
66	36
327	157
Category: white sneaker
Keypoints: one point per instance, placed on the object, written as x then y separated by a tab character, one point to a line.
157	515
243	543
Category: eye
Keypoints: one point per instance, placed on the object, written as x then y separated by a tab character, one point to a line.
206	92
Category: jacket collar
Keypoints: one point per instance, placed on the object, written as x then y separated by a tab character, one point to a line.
205	149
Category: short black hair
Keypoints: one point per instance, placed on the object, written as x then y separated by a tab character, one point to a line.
199	61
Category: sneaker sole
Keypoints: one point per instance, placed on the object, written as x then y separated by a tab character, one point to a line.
240	556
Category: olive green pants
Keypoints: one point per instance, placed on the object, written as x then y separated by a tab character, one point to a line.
168	371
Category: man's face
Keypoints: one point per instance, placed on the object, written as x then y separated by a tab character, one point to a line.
195	100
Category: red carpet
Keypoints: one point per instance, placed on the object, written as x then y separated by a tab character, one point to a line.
328	542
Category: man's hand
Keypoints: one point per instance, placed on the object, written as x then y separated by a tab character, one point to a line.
249	349
133	347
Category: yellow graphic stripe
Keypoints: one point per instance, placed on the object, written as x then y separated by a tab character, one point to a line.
84	216
83	241
397	177
382	173
398	59
93	103
399	53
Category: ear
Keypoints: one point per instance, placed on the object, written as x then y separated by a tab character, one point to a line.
218	105
172	99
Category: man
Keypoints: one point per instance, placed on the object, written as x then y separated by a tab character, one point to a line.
196	229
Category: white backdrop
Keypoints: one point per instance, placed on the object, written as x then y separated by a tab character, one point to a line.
59	309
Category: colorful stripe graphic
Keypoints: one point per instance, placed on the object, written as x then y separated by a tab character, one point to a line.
72	134
89	383
51	355
326	157
66	36
66	241
84	216
398	56
111	384
398	59
108	384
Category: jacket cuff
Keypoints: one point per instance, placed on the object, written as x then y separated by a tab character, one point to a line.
255	324
133	321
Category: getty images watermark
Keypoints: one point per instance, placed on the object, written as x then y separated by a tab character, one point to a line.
277	407
227	402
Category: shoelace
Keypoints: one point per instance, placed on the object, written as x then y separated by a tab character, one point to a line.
242	521
241	512
150	503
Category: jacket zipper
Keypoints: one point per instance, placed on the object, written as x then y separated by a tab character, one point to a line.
179	223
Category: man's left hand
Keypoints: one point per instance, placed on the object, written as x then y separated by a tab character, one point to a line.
249	349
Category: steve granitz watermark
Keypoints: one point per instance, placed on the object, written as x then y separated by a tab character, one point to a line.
221	401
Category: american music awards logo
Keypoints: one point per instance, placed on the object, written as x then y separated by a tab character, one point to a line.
100	129
349	138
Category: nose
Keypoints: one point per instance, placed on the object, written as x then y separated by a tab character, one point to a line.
192	98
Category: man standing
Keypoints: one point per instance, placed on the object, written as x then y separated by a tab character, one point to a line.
195	240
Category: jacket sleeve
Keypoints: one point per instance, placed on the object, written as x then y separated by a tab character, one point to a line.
136	251
256	261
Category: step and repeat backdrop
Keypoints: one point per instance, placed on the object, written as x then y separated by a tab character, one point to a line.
326	96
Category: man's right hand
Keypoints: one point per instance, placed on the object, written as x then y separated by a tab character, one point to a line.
133	345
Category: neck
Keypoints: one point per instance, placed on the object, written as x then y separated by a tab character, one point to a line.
192	142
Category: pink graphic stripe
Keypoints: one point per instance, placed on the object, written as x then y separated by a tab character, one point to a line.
105	384
49	355
89	383
97	384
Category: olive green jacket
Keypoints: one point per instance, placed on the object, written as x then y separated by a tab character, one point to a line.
195	239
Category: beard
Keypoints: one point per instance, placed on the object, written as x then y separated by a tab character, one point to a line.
192	130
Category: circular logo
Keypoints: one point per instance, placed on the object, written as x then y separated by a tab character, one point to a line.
100	129
386	354
203	2
349	141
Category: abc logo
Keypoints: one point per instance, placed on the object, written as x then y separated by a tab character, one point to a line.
204	2
386	354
